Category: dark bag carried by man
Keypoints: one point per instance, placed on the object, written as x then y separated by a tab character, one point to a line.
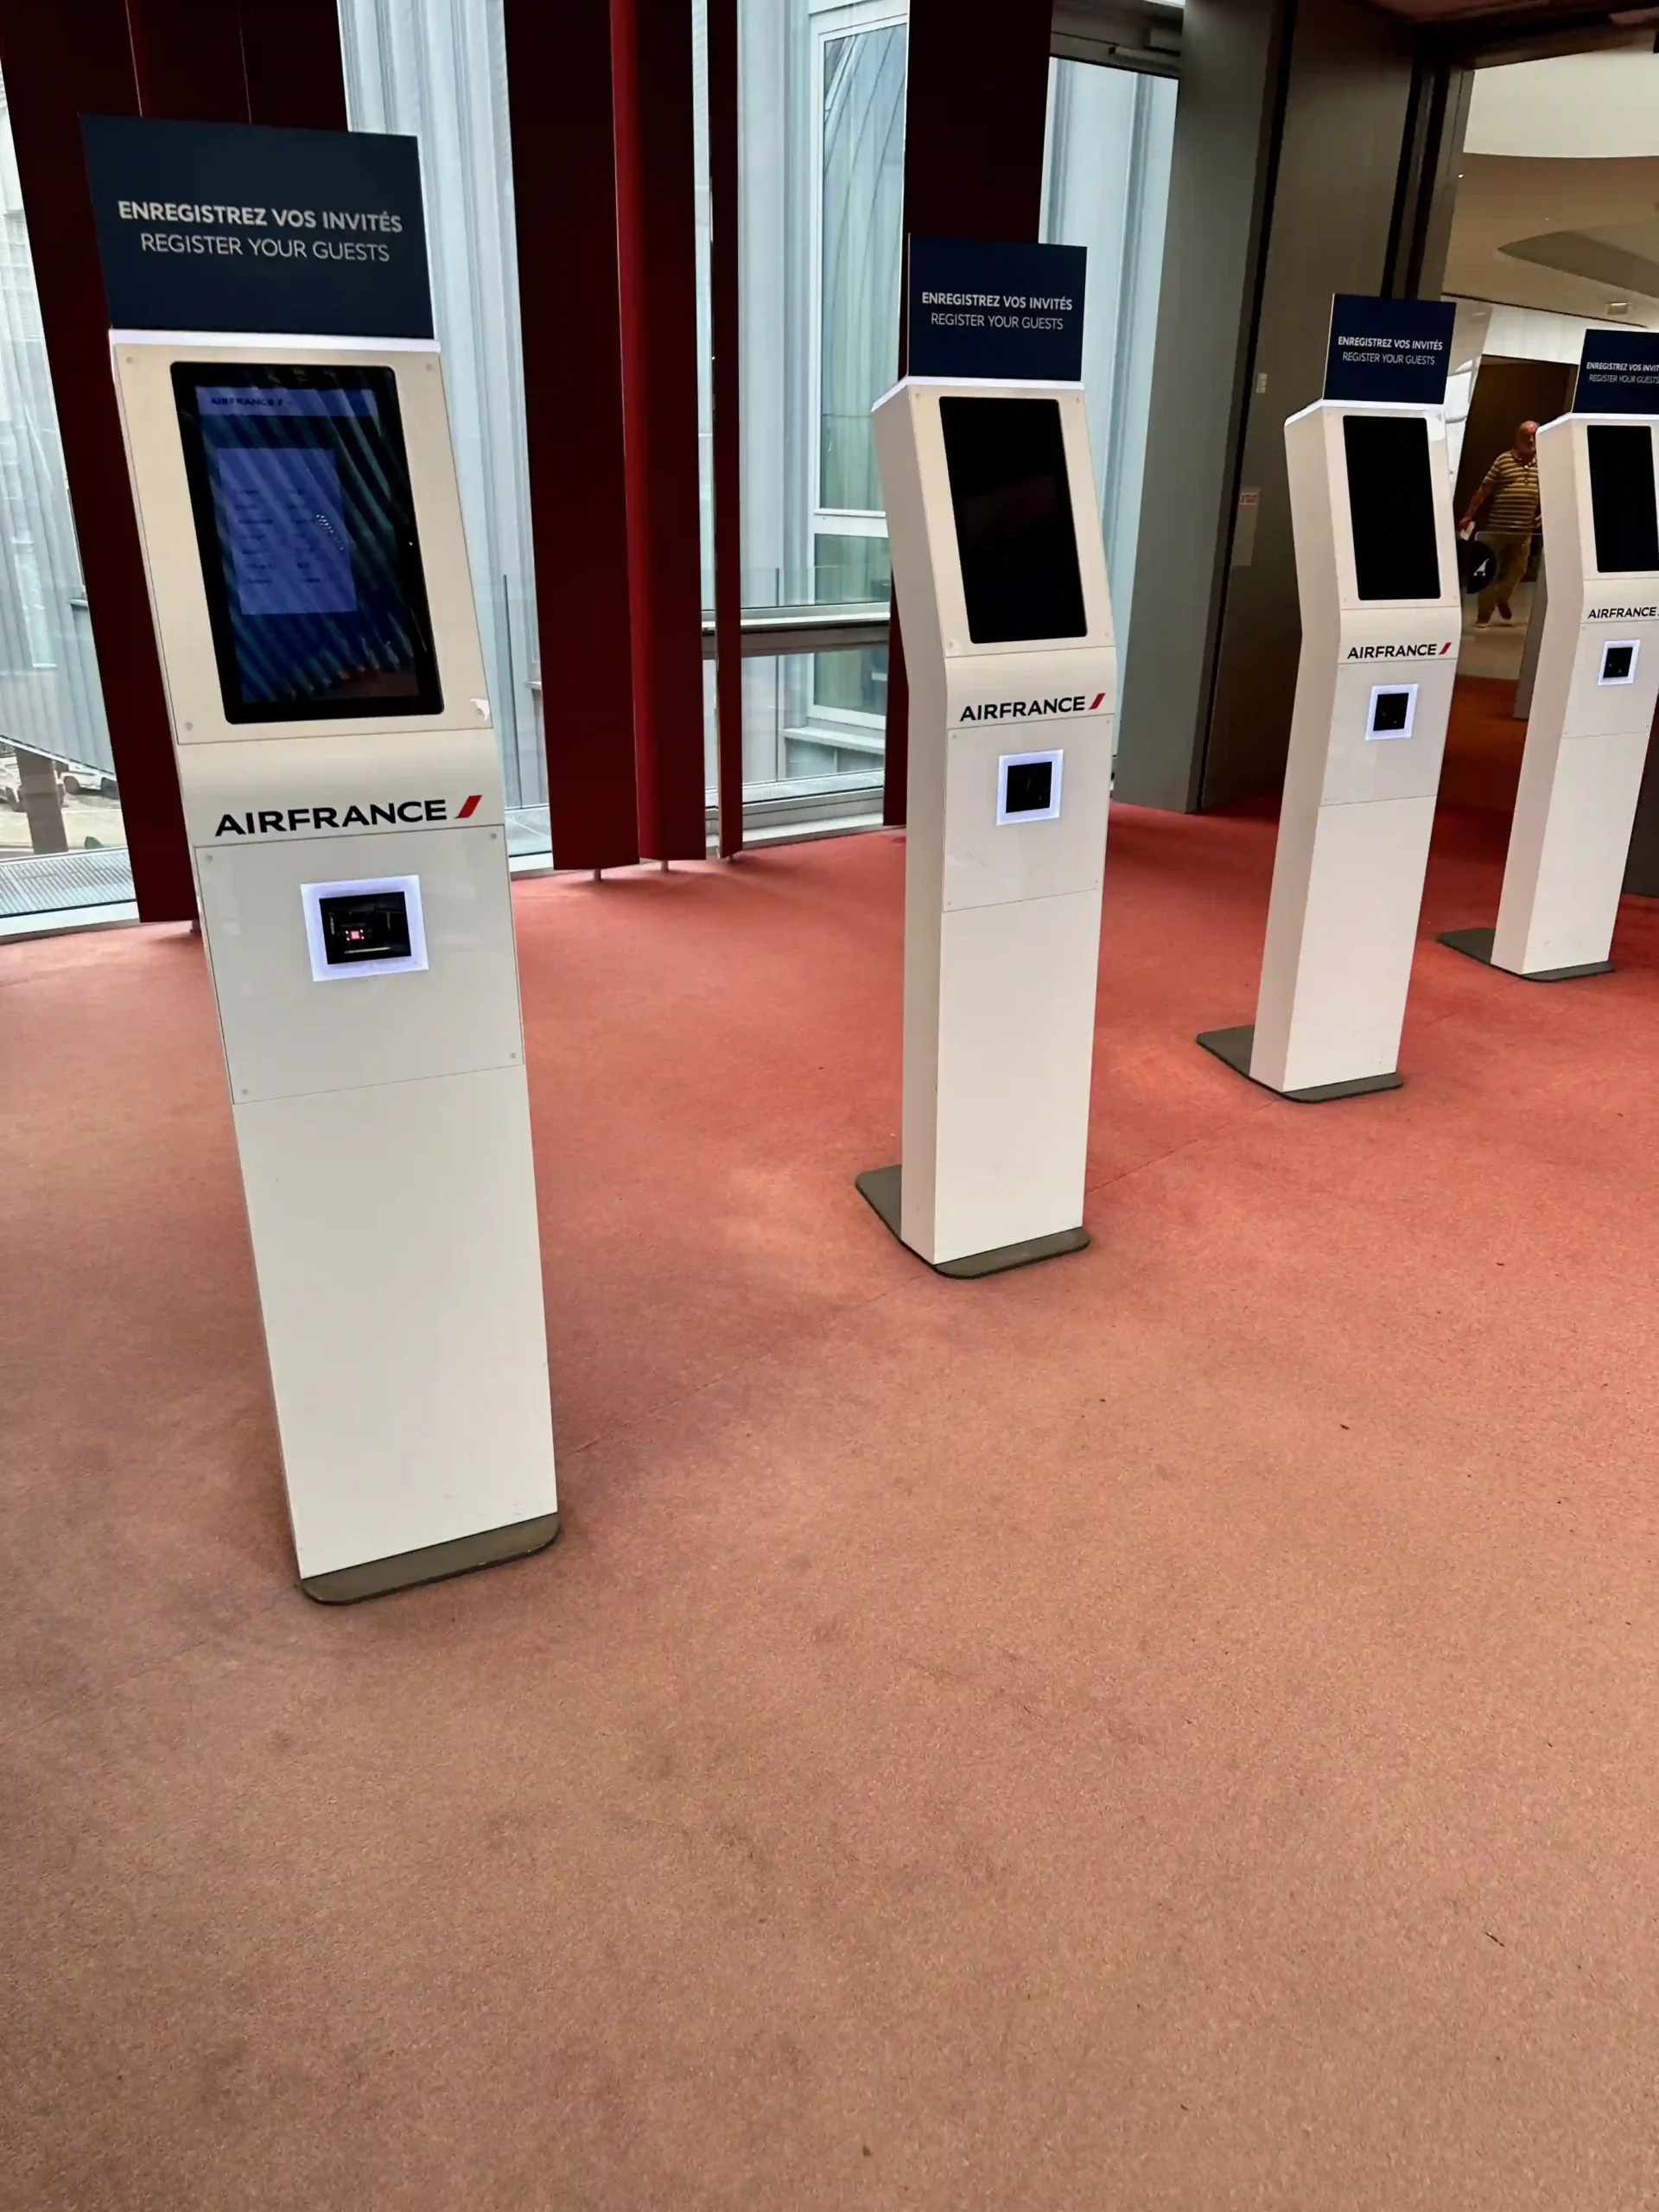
1477	565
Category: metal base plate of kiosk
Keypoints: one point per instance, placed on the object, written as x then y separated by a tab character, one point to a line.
1233	1045
880	1187
376	1578
1478	943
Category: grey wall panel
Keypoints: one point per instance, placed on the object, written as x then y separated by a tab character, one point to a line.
1347	110
1225	124
1429	175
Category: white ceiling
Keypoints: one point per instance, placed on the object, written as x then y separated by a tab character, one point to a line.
1577	106
1558	205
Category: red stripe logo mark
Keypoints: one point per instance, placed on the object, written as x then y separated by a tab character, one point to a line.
1096	701
468	807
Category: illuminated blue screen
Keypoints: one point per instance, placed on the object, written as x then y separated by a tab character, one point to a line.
286	530
305	520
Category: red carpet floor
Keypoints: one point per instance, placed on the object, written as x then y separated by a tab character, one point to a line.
1483	744
1172	1728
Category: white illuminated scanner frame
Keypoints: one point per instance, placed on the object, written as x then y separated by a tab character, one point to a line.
1373	692
1593	707
1002	900
383	1128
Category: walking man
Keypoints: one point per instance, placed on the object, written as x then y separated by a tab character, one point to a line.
1509	489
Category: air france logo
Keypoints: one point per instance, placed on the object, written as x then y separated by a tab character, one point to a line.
1623	615
998	710
1428	651
271	821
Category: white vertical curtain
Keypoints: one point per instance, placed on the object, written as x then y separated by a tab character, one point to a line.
821	157
1110	137
437	70
862	213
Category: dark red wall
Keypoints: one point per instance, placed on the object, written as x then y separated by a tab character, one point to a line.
559	92
655	185
601	96
725	317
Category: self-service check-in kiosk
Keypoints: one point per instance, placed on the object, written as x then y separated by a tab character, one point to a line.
1001	582
1594	693
1378	578
308	572
302	527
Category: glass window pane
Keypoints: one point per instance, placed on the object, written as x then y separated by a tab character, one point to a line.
851	683
789	745
62	845
850	571
437	69
821	177
861	209
1110	134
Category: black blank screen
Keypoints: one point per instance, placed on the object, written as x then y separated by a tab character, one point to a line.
1391	506
1012	504
1029	787
1621	497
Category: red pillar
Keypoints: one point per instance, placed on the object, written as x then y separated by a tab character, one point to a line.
657	235
559	95
724	284
236	62
975	108
188	57
295	72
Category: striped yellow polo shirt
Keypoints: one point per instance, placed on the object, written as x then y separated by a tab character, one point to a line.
1512	484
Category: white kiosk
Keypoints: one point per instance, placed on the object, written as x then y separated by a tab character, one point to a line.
302	527
1377	576
1001	582
1593	704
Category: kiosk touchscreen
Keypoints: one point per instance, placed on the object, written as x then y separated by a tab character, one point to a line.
1593	704
302	533
1001	583
1377	579
305	527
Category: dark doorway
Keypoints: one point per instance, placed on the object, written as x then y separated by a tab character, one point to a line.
1506	392
1485	740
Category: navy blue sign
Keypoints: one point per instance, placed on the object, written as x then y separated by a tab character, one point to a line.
235	226
986	307
1619	374
1389	349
